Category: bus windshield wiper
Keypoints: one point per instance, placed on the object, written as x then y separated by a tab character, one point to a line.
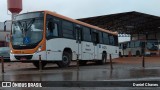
30	24
19	24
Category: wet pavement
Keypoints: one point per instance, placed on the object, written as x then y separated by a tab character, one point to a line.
82	75
124	69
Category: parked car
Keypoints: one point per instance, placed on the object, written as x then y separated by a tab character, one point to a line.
5	52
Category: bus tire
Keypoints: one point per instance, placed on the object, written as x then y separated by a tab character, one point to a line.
82	62
66	59
36	64
100	62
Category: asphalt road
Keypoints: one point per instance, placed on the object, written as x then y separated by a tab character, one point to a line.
124	69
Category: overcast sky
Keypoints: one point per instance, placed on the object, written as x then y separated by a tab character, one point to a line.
85	8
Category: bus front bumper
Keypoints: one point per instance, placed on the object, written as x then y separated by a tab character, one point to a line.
28	57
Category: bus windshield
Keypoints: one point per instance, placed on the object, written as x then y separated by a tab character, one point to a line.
27	29
152	45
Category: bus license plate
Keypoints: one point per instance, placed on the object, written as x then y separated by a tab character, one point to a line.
23	59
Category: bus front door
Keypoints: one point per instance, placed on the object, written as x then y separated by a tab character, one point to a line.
52	53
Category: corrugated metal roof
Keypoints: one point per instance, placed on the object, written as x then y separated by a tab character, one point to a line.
127	22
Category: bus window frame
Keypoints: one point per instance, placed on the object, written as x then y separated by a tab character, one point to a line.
73	29
95	36
83	38
55	21
78	30
103	34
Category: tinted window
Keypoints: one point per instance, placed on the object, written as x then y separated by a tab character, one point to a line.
132	44
86	34
128	44
52	28
2	44
105	38
116	40
78	33
95	37
111	40
100	37
67	29
125	45
120	46
152	45
137	43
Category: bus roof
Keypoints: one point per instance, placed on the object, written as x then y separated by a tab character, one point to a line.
142	40
76	21
79	22
130	41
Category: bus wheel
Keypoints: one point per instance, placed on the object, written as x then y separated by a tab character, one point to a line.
103	59
66	59
82	63
36	64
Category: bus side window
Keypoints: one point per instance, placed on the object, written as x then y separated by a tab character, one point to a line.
125	46
95	37
143	44
67	29
100	37
105	38
51	26
129	45
87	34
52	29
78	33
111	39
116	40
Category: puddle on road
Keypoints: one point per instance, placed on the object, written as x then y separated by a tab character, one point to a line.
81	75
144	73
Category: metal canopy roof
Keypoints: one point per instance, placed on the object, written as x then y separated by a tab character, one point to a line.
126	23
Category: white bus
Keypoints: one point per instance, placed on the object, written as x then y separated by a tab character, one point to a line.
59	39
139	48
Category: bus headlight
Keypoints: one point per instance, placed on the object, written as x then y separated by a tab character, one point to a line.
39	49
11	51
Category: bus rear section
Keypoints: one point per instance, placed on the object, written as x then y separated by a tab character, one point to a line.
140	47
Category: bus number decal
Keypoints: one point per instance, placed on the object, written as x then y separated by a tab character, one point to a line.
88	49
87	45
104	47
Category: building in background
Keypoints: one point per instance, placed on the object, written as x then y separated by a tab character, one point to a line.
5	35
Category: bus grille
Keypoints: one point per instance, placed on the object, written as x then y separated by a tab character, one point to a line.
28	57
